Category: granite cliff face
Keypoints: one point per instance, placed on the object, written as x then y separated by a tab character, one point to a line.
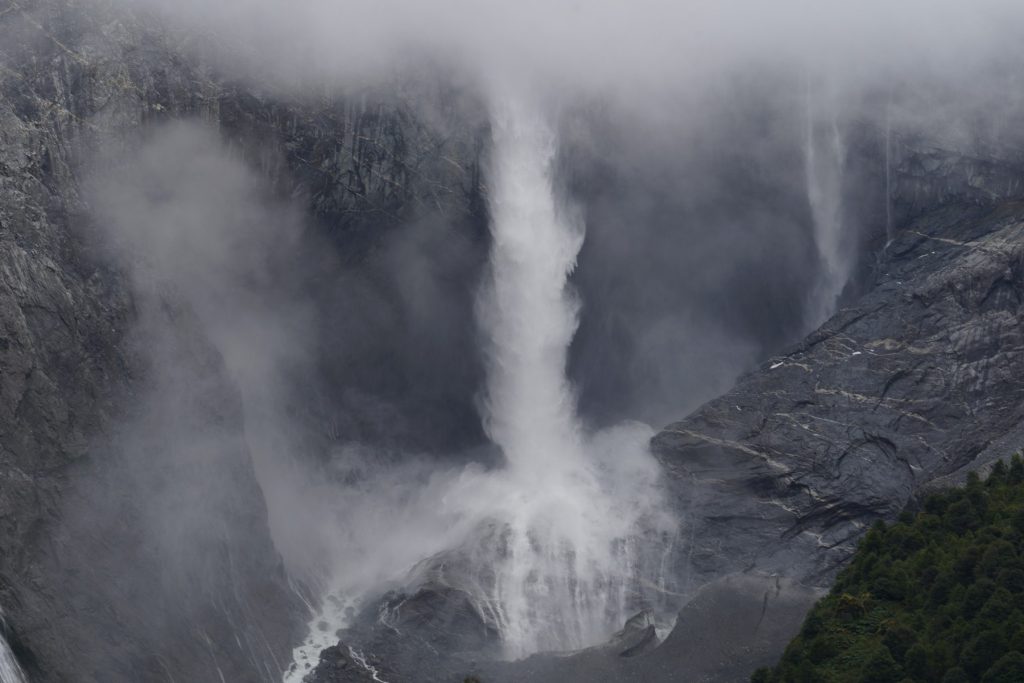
95	582
909	384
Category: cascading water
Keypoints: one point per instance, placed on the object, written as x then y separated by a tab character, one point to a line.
560	553
888	171
10	671
824	160
551	547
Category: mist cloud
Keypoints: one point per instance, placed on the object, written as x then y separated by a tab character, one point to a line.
727	158
706	101
605	45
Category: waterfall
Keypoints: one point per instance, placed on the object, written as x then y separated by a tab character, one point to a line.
552	546
888	171
10	670
560	549
824	159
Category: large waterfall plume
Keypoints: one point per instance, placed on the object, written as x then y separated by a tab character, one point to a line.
561	550
552	546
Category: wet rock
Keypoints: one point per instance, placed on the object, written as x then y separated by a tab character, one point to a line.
338	664
730	628
99	578
906	386
637	637
445	618
911	386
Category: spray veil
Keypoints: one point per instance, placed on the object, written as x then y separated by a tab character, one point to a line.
561	551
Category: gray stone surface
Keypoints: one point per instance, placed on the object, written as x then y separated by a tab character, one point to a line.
910	386
108	569
90	590
731	627
907	385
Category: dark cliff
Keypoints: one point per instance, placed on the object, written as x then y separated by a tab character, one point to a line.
912	382
909	384
106	572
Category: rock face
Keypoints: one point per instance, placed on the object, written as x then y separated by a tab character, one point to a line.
926	175
731	627
123	556
907	385
90	589
338	663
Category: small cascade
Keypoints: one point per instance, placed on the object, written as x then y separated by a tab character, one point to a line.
334	614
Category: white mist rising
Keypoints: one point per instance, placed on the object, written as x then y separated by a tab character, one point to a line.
10	671
561	550
824	159
550	546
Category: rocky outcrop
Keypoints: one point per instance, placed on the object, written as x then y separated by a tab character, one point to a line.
731	627
339	664
908	385
925	176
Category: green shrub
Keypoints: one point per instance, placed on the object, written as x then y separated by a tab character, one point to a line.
881	668
956	675
937	596
1009	669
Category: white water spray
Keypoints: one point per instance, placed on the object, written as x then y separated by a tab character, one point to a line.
549	546
10	671
888	171
824	159
561	552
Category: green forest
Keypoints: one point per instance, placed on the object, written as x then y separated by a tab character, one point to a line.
936	597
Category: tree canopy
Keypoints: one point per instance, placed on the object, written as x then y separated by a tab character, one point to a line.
936	597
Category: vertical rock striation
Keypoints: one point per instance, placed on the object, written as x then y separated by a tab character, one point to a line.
98	579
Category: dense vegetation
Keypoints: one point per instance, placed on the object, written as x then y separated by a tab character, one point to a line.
936	597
